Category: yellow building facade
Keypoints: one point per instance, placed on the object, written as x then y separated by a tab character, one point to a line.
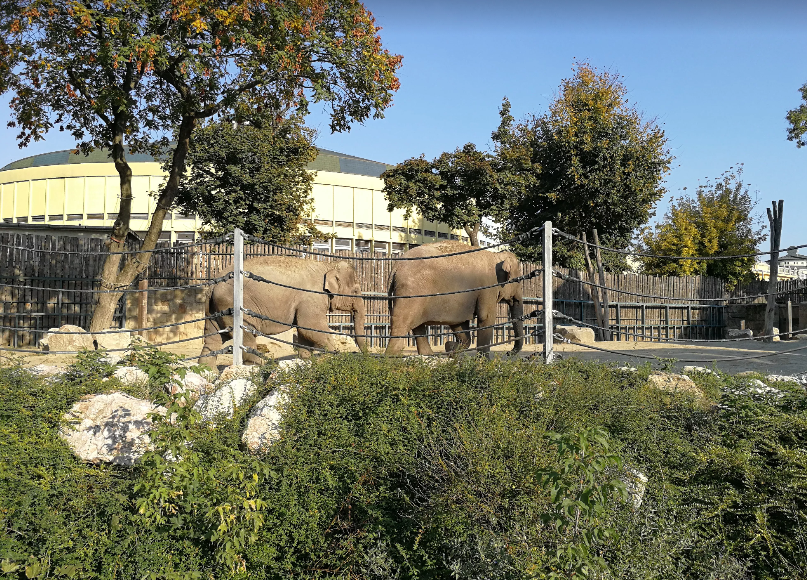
65	193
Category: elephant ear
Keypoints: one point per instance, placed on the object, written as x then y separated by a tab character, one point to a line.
510	268
332	281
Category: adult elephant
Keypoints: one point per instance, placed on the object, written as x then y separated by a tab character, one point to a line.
437	275
308	311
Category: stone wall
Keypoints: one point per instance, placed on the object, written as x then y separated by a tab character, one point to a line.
752	316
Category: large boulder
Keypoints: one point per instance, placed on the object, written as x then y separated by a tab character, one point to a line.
675	384
131	376
263	425
43	370
109	428
237	372
194	384
739	333
113	340
577	334
225	400
76	340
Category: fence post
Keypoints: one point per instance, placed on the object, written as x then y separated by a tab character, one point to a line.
238	296
142	306
548	323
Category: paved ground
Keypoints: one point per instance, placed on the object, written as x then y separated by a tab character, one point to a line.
772	358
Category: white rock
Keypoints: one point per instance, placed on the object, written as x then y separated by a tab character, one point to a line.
44	370
109	428
43	343
225	400
237	372
576	334
78	339
782	378
344	343
293	363
263	425
739	333
132	376
756	387
431	361
626	369
113	340
194	384
112	358
635	483
704	370
674	383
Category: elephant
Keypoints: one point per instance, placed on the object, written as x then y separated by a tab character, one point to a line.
294	308
450	274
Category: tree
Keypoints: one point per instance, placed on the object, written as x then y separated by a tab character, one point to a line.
798	120
253	177
144	73
718	220
590	162
459	188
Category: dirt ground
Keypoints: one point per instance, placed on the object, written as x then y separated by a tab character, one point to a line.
783	358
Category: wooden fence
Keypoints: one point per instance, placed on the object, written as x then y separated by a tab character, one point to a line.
657	314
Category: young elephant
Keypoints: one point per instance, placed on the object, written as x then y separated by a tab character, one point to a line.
450	274
294	308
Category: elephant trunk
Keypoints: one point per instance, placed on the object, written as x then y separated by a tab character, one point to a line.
516	312
358	324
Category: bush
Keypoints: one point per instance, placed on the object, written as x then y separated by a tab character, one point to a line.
393	469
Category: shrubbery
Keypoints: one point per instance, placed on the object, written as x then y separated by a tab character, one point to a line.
394	469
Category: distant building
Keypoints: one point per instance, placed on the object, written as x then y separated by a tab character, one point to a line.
792	266
62	192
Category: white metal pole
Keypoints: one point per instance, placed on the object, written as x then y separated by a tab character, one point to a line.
548	324
238	296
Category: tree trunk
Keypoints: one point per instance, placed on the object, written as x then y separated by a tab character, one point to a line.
473	233
112	276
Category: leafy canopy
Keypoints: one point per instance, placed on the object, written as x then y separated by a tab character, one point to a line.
798	120
251	177
590	162
718	220
459	188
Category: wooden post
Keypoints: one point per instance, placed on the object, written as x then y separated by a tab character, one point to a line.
606	309
548	322
775	220
238	297
142	306
594	291
789	319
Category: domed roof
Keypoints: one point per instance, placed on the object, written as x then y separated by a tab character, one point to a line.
326	161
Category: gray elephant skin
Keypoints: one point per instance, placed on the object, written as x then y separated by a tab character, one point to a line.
294	308
451	274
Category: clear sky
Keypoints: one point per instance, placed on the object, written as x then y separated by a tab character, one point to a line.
718	76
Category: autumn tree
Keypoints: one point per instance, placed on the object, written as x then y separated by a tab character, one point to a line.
145	73
591	161
458	188
251	175
797	119
718	220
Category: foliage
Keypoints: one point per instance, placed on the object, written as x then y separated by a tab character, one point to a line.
145	73
395	469
253	177
590	162
718	220
460	189
797	118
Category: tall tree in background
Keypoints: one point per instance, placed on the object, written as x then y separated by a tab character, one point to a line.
253	177
718	220
798	120
590	162
459	188
144	73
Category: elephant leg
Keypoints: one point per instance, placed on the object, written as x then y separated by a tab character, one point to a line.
422	340
251	342
398	327
318	335
212	343
484	337
462	334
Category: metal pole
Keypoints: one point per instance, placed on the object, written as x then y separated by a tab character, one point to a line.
548	324
238	297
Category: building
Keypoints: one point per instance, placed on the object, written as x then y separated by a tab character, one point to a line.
62	192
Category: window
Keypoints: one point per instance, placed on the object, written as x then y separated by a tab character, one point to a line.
39	218
342	244
399	229
24	220
380	247
55	217
415	232
140	216
95	216
185	237
442	235
455	237
74	217
466	240
428	233
362	245
398	248
180	216
111	216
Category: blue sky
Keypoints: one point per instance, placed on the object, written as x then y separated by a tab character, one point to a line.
718	76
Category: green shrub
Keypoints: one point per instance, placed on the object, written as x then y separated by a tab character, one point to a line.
393	469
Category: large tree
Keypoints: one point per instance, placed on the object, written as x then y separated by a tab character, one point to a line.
797	118
253	177
458	188
144	73
590	162
718	220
